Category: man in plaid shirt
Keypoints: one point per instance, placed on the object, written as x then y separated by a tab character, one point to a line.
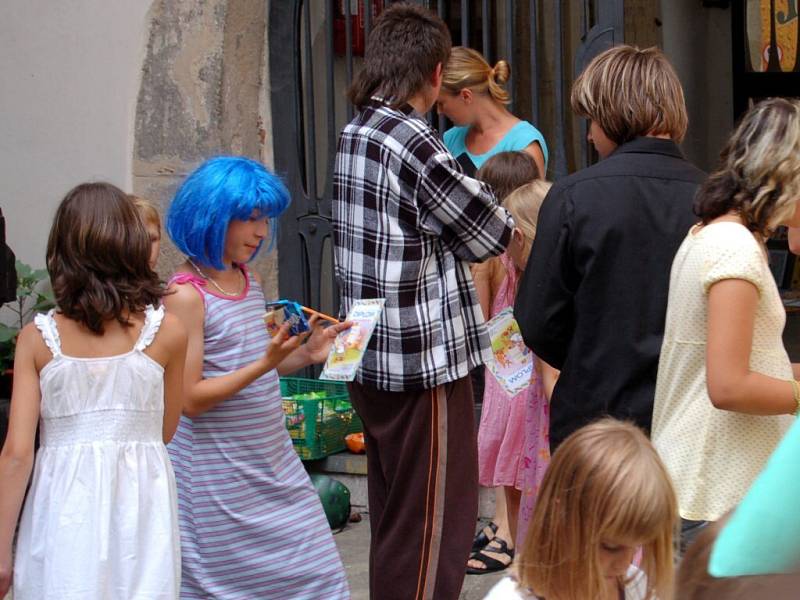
407	223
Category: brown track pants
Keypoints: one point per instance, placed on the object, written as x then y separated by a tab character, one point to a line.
423	488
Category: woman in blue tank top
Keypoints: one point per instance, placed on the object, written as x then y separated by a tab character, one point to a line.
474	98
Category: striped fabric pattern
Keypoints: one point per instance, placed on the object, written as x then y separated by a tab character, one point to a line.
251	523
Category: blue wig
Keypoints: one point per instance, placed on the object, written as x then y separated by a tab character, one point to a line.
220	190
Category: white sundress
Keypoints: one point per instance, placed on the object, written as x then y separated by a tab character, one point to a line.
100	520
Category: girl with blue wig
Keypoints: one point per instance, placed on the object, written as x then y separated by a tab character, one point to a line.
251	523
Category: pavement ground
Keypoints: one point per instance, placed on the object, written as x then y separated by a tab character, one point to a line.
353	544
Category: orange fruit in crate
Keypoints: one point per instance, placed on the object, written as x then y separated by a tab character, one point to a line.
355	443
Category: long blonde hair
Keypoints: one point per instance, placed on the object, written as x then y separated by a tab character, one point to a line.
605	481
467	69
524	204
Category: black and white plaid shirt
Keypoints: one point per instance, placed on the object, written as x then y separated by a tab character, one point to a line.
407	222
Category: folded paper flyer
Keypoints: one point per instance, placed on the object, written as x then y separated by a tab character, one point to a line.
512	365
349	346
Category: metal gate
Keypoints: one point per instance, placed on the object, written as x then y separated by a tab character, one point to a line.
314	49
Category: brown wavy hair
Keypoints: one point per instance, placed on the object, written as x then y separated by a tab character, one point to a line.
402	52
759	173
97	257
467	68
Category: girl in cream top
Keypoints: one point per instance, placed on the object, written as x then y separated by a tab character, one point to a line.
726	390
713	455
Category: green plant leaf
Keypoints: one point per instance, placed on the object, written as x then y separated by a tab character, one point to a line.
23	270
34	294
7	334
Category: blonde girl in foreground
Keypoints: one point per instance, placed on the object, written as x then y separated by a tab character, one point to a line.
605	495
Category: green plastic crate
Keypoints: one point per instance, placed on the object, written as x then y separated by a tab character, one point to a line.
318	416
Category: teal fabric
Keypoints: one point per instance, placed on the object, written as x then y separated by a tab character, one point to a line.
763	534
519	137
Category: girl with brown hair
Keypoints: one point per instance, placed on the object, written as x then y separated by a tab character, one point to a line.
103	375
474	98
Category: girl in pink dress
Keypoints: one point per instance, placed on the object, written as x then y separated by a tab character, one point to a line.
513	446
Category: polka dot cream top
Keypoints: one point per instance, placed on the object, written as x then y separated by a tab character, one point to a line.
714	455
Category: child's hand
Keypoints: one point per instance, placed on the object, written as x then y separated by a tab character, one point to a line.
282	345
321	340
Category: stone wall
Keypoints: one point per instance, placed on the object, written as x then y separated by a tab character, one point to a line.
203	93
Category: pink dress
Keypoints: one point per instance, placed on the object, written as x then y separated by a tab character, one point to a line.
535	453
513	446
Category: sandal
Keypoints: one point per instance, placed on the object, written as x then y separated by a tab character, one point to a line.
481	539
492	564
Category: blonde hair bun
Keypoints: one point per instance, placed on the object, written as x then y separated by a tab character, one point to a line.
501	72
467	69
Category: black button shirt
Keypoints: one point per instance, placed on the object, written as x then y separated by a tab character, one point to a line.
593	299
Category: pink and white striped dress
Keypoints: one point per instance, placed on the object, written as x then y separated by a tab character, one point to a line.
251	523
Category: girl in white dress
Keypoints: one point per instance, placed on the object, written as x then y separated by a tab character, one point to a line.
102	375
605	496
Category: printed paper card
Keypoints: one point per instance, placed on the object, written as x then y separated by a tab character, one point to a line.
513	361
280	311
349	346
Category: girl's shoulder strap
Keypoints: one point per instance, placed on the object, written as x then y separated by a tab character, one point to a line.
183	277
152	321
46	324
198	283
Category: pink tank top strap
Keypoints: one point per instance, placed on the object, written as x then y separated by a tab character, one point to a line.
196	282
182	277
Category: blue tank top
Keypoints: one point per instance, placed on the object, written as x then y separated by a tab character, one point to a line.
519	137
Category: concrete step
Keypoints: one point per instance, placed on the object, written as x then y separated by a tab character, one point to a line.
351	470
